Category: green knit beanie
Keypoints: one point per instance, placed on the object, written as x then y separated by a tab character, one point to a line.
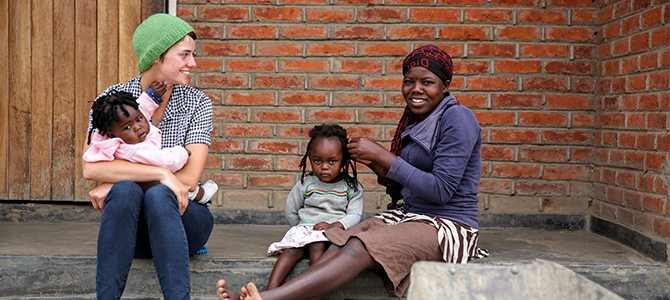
155	36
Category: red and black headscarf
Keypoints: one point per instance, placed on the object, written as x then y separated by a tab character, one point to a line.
433	59
439	62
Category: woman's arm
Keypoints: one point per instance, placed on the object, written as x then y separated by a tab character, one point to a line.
192	171
117	170
375	156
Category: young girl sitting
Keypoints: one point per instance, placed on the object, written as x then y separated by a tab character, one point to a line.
327	197
123	131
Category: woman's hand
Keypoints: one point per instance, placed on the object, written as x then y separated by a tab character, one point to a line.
99	194
326	226
179	189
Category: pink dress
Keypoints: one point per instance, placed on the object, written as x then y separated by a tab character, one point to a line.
148	152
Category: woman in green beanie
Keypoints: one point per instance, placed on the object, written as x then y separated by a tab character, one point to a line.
145	209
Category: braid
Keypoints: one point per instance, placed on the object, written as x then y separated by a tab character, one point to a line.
333	131
105	110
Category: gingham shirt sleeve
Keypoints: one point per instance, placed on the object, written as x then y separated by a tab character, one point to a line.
200	124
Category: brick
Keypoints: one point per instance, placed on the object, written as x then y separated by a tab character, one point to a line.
492	83
659	80
620	47
631	24
627	140
571	2
249	163
229	114
537	118
654	161
358	32
569	34
628	102
383	83
634	121
567	205
248	130
518	66
213	162
567	173
271	180
473	101
464	33
581	155
359	1
583	85
515	171
583	120
626	179
569	101
226	179
411	2
528	3
331	116
357	66
612	31
243	199
252	32
634	160
497	153
544	50
295	98
541	189
204	31
330	15
278	14
609	176
629	65
288	164
251	65
304	32
654	204
518	33
611	120
461	2
224	81
357	99
612	67
276	147
367	132
514	205
606	13
662	227
545	83
641	4
304	1
632	200
304	65
330	49
622	8
334	82
543	155
383	49
658	37
639	42
224	49
433	14
277	49
382	15
280	81
293	131
379	116
227	145
496	50
223	13
494	118
657	121
583	16
509	135
208	64
277	116
637	82
570	68
249	98
571	137
488	15
495	186
649	102
517	100
646	141
534	16
412	33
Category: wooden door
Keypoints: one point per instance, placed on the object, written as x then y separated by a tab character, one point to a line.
59	56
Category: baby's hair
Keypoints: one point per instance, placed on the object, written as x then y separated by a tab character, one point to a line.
104	110
336	132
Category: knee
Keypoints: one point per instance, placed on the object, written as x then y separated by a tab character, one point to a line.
159	198
355	247
296	253
125	193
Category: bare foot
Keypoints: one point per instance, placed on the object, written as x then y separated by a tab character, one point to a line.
224	293
250	292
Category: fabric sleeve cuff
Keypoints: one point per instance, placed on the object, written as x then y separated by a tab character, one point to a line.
154	96
400	171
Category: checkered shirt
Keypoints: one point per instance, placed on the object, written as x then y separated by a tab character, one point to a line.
187	118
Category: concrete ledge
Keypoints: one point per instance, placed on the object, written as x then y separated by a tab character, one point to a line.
656	250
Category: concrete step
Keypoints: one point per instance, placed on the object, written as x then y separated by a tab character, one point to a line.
56	260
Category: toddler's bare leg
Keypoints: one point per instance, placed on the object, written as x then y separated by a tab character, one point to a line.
315	251
284	265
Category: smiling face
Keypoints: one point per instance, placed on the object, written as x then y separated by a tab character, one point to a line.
325	156
423	90
132	129
175	65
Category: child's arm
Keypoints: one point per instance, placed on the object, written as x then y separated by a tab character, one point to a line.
294	202
354	209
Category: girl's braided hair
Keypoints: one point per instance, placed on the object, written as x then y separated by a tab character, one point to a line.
336	132
104	110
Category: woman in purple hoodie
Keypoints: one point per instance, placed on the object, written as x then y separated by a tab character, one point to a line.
434	165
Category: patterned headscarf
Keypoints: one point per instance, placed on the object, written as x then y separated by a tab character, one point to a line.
437	61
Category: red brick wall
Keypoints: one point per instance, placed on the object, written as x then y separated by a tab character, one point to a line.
631	140
527	68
